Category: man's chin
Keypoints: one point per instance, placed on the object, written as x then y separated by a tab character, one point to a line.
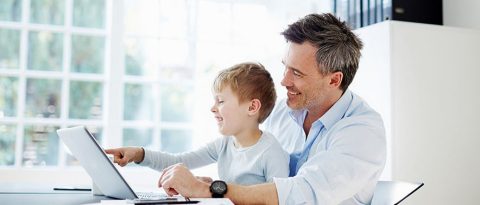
292	105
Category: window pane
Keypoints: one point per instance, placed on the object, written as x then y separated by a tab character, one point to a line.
212	57
87	54
144	11
89	13
10	46
8	96
214	20
177	103
141	56
173	19
176	141
137	137
47	11
173	57
45	51
97	134
248	18
85	100
138	102
10	10
43	98
242	52
7	144
40	145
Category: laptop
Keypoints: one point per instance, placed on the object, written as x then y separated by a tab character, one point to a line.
93	158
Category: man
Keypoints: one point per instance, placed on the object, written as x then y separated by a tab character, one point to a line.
335	140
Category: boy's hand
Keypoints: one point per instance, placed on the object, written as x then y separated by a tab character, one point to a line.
124	155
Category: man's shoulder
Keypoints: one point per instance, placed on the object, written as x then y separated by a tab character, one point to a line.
360	114
360	110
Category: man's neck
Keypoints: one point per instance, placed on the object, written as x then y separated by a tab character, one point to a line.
316	112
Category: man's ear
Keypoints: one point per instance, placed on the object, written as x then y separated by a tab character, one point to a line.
336	79
254	107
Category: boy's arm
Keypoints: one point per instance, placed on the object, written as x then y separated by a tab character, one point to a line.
177	179
193	159
275	162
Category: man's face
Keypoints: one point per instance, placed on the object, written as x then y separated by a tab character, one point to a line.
306	86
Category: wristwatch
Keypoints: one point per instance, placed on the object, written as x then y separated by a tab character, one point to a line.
218	188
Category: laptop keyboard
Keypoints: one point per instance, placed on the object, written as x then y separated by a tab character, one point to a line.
151	195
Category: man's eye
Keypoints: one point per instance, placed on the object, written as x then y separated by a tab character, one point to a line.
297	74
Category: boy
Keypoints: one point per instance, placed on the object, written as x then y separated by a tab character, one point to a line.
244	97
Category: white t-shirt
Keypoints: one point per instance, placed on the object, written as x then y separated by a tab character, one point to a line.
256	164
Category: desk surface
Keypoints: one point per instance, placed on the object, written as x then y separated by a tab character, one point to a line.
13	194
50	199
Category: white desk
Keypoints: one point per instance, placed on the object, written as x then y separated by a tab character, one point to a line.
41	194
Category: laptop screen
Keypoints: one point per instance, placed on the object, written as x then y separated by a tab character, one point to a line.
94	160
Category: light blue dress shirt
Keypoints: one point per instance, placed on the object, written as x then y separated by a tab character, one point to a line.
346	157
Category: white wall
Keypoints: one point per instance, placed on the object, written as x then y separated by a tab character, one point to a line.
372	81
433	83
461	13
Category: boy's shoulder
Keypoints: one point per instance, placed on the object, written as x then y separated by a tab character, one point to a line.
270	142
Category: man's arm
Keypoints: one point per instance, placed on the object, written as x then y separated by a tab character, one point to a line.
254	194
177	179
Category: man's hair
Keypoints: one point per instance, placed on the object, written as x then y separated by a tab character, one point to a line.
249	81
338	48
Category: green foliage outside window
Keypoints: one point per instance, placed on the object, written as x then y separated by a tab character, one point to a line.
7	144
47	11
85	100
89	13
45	51
10	10
10	48
8	96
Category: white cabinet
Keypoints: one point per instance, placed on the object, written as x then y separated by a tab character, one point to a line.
425	81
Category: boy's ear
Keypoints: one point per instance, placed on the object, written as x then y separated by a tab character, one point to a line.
254	107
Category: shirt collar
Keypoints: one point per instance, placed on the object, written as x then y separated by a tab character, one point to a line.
332	116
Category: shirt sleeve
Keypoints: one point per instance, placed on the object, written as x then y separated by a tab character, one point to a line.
275	161
354	158
201	157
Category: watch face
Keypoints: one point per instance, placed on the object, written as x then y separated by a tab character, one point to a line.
219	187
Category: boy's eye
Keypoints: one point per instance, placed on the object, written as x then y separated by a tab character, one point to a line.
220	101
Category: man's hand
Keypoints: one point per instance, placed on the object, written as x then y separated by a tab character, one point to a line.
124	155
177	179
205	179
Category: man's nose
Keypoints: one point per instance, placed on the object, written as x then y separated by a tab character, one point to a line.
287	80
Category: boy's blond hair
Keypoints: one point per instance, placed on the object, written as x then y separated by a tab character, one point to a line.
249	81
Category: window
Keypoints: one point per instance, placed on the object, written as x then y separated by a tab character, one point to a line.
52	75
135	72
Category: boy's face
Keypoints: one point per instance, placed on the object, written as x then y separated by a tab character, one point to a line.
231	115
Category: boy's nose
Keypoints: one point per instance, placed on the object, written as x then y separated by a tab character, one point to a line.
213	109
